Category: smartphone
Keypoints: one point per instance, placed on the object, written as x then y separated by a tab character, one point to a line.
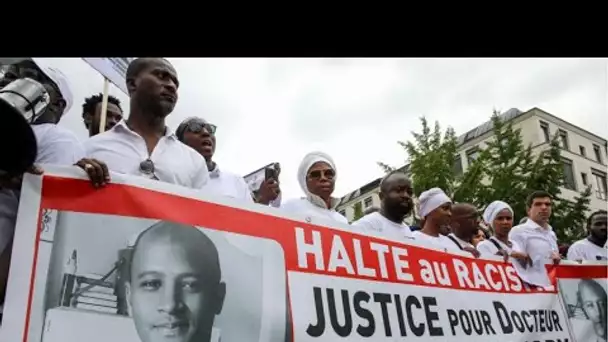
270	173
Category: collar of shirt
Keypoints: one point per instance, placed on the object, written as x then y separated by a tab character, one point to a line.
215	173
533	225
122	125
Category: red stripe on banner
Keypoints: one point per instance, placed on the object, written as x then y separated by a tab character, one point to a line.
582	271
339	253
30	294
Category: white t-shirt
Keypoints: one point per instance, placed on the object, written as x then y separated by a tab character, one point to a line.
224	183
303	206
56	146
441	242
375	224
123	150
587	250
538	242
488	248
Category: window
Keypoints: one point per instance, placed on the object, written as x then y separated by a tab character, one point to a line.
457	165
569	182
598	153
563	139
582	150
600	183
584	177
368	202
546	133
472	155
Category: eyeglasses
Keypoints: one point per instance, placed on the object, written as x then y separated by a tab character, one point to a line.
196	126
147	168
317	174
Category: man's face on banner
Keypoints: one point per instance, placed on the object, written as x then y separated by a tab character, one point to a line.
594	306
169	297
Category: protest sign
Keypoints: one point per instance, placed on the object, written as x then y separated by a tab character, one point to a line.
141	260
112	68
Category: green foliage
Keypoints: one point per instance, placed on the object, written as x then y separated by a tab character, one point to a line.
504	170
358	211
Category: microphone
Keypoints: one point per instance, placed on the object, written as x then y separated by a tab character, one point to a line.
21	102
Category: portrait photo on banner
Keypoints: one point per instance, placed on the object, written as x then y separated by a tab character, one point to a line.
586	304
106	278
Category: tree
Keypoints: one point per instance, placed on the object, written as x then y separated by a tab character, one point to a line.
431	151
358	211
504	170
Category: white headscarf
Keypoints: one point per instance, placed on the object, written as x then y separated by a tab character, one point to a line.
431	200
489	215
305	165
59	79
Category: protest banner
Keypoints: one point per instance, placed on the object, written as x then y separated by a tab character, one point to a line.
140	260
113	69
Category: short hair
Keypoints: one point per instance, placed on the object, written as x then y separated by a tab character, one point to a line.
593	214
536	194
140	64
207	245
90	103
387	176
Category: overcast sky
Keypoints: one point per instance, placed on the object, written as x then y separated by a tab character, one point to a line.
356	110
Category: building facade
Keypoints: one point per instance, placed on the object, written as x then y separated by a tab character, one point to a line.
584	156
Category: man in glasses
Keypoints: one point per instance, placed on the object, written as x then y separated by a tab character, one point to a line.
200	135
56	145
464	225
317	178
143	145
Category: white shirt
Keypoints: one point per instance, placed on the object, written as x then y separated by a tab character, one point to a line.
123	150
487	247
440	242
587	250
228	184
375	224
305	207
530	238
460	242
56	146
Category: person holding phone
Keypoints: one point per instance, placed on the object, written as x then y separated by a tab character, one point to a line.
200	135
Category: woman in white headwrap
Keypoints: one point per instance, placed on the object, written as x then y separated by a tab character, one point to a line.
499	216
436	211
317	177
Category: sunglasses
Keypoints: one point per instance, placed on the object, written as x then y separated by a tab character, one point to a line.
147	168
198	126
317	174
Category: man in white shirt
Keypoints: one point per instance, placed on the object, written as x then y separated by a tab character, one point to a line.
436	212
592	247
56	145
464	225
535	237
200	135
143	145
396	203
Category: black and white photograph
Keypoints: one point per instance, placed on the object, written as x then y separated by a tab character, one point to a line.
586	305
112	278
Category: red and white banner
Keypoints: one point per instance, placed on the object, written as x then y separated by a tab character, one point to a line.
141	260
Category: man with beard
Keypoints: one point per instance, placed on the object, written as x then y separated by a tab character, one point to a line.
592	247
91	113
174	287
143	145
464	225
200	135
396	203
